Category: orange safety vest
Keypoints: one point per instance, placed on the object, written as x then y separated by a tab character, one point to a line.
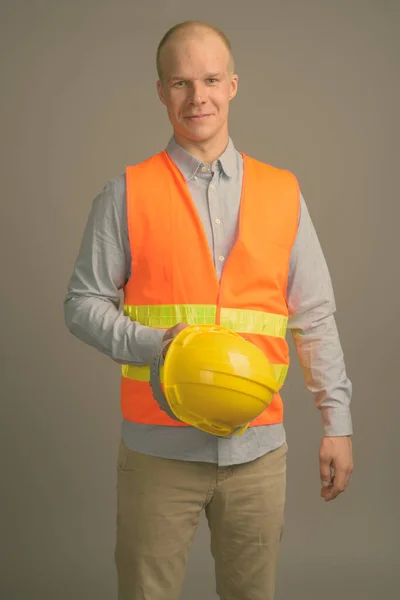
173	278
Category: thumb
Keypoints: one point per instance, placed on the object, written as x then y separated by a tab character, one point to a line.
325	472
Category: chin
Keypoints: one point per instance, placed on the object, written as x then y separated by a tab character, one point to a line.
200	132
201	137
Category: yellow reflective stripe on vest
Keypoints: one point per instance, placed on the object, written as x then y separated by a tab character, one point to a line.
164	316
143	373
253	321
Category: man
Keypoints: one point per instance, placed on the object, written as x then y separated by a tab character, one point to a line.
170	234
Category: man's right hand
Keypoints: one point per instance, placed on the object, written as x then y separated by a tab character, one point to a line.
170	334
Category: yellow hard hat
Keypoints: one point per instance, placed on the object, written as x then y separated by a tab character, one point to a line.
216	380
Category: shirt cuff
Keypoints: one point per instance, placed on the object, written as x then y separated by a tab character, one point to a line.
336	421
151	343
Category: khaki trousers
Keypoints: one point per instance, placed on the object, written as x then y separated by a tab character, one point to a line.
159	504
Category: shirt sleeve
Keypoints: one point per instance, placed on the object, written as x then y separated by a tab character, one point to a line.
311	305
92	307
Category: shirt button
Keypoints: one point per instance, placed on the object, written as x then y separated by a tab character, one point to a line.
221	258
204	169
218	222
212	186
195	178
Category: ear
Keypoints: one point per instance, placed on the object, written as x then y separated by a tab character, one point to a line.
160	91
233	87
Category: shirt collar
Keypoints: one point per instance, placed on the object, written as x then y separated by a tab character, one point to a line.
189	164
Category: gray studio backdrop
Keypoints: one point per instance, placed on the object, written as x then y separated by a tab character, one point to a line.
318	95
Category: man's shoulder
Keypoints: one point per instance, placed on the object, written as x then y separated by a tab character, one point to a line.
115	186
267	168
111	195
150	161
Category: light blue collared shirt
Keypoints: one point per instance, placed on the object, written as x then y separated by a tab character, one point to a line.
92	309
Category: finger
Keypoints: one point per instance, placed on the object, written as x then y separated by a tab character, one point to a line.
170	334
165	345
331	493
173	331
325	471
326	490
340	478
339	484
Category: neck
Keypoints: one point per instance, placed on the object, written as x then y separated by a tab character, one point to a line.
207	151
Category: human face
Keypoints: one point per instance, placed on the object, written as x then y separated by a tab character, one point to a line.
196	89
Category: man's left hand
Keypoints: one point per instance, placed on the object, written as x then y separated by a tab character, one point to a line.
335	465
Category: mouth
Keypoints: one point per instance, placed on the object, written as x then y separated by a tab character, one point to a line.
197	118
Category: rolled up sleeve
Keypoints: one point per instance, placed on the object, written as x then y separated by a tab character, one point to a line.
311	305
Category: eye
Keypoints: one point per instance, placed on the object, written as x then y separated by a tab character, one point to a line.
179	84
212	80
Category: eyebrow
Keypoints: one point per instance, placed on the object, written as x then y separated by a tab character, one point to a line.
208	76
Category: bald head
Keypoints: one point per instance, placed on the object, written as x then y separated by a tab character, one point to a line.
184	33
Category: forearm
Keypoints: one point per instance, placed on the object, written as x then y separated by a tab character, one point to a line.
311	305
102	267
321	358
99	323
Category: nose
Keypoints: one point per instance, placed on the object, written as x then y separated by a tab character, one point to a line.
198	93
